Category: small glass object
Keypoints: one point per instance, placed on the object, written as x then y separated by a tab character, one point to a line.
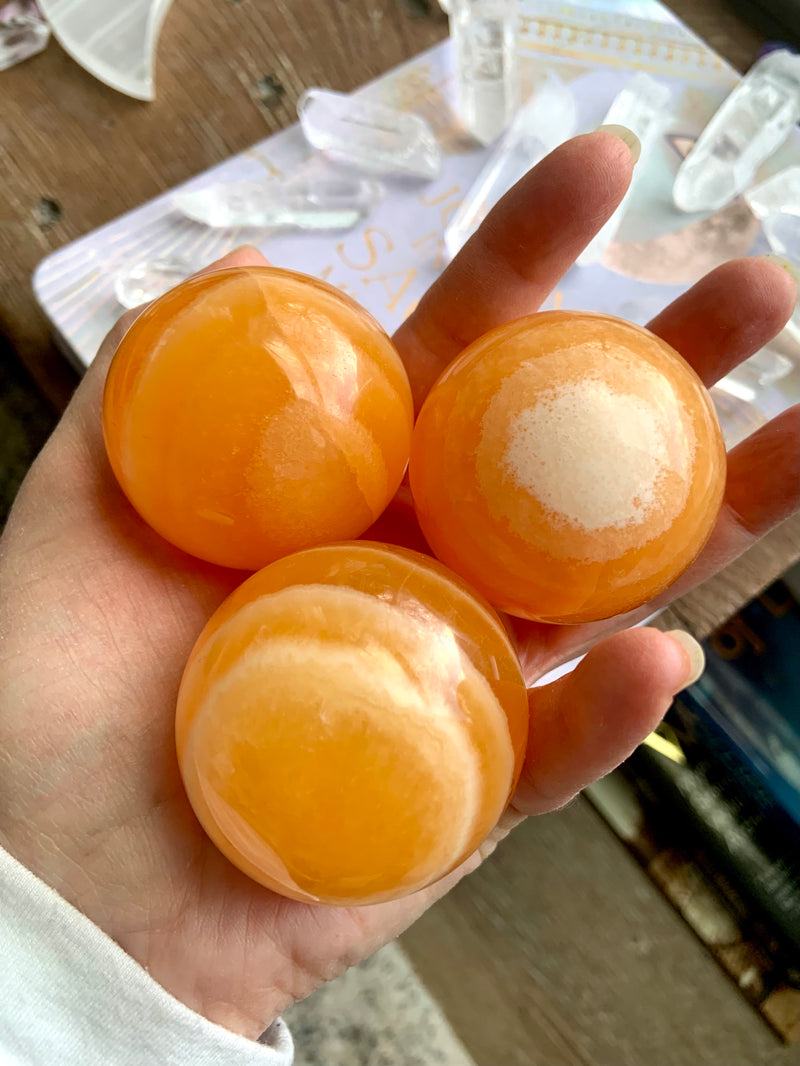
319	203
776	203
642	107
23	32
547	119
738	418
749	126
750	379
377	139
149	279
485	37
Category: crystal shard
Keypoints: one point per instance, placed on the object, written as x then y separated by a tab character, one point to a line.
150	279
776	202
485	42
547	119
23	32
642	107
374	138
755	375
749	126
319	203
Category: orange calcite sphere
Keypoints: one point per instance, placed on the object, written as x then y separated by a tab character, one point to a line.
351	723
568	465
251	412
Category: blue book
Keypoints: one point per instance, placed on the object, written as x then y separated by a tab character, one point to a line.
744	712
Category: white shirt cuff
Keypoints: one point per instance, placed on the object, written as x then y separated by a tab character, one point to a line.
70	995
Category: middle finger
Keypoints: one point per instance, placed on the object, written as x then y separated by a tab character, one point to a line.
509	267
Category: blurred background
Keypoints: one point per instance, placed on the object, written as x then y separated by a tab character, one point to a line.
655	921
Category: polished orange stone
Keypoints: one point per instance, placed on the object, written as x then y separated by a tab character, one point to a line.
351	723
568	465
252	412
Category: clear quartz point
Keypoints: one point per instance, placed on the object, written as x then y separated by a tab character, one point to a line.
485	35
642	107
738	418
749	126
317	203
547	118
755	375
776	203
23	32
792	327
377	139
150	279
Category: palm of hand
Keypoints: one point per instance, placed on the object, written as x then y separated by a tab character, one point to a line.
99	615
115	833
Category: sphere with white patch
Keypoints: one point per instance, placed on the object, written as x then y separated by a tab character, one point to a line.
569	465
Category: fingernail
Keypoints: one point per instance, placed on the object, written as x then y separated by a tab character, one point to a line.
626	135
786	264
696	660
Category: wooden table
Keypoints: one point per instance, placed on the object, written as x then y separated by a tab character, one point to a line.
73	155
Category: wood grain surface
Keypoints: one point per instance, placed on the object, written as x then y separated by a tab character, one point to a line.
559	951
74	154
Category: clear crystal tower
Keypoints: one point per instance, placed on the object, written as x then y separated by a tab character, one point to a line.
642	107
547	119
485	42
749	126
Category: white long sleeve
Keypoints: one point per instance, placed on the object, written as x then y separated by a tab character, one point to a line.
71	996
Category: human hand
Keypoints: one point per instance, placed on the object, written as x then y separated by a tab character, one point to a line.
98	615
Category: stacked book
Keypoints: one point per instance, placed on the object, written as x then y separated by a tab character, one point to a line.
710	804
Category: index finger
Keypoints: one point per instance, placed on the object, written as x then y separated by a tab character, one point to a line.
509	267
